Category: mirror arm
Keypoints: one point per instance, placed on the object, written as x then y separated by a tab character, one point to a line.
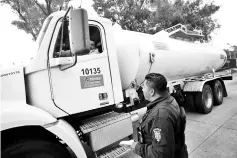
67	12
65	67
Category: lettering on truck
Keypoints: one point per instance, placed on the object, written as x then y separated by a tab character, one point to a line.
10	73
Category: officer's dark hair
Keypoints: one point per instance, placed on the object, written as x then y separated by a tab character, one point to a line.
156	81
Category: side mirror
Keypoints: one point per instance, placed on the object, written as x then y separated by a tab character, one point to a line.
79	31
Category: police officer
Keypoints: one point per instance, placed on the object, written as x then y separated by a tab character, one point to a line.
161	133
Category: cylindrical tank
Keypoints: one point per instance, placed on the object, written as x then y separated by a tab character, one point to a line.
175	59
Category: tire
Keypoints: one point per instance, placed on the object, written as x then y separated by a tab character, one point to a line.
189	102
35	149
204	100
218	92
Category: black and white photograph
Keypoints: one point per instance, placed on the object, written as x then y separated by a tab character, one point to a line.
118	78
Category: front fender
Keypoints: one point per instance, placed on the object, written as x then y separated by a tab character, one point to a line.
15	114
67	133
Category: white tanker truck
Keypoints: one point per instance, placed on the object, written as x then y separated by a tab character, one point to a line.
66	99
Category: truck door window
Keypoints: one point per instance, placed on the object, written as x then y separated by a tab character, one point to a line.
95	41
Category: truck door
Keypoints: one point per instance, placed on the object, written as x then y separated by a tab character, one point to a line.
87	85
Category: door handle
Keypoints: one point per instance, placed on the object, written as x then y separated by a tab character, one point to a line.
61	61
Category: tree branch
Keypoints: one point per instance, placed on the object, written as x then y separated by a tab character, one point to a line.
142	2
18	9
48	4
5	2
36	2
34	35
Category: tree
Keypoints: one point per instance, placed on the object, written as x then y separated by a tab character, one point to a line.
32	13
129	14
136	15
194	14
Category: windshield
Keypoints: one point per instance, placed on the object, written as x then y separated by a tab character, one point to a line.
43	30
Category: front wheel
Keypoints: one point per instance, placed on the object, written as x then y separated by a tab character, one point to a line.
204	100
35	149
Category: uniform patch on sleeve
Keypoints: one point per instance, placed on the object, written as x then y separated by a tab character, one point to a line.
157	134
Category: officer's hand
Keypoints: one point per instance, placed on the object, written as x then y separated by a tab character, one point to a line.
131	143
126	143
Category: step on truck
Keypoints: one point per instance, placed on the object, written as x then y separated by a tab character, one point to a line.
82	91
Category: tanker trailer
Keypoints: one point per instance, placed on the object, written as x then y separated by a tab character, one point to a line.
188	66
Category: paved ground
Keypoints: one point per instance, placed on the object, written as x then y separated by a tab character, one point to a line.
213	135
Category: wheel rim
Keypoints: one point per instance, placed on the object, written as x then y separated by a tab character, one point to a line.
219	92
208	99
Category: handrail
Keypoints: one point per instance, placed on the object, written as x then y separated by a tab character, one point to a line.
184	29
180	31
173	28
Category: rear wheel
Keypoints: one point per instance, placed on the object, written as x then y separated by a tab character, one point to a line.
218	92
189	102
35	149
204	100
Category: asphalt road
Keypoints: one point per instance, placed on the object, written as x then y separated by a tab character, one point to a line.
213	135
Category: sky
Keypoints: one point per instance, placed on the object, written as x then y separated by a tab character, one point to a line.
18	47
226	16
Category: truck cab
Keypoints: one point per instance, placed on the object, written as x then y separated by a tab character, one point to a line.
94	80
66	95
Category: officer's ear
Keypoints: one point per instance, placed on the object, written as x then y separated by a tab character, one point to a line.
152	92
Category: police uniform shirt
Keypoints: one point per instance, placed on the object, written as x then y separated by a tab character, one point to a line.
158	127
